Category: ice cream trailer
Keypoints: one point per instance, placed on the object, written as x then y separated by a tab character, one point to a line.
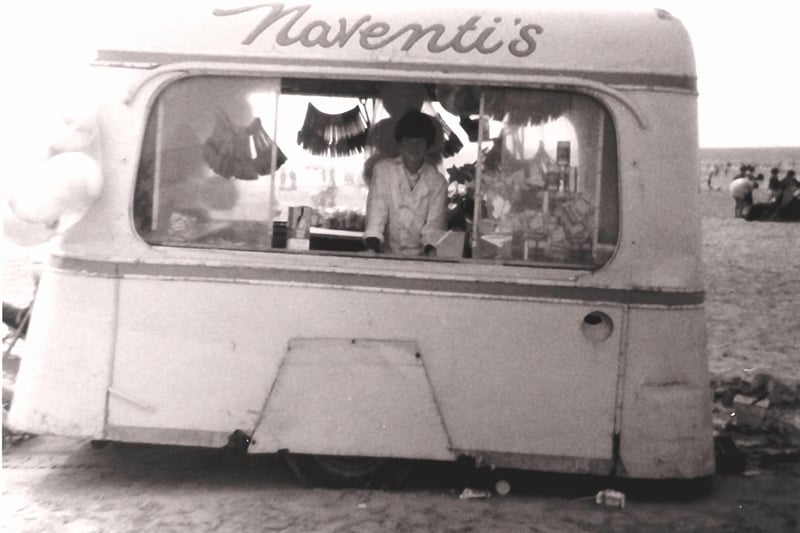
208	281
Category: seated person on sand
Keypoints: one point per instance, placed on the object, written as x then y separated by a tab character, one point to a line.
406	204
788	203
741	189
774	185
784	202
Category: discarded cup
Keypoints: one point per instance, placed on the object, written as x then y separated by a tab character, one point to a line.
610	498
502	487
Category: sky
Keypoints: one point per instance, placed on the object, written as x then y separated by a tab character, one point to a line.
748	65
747	55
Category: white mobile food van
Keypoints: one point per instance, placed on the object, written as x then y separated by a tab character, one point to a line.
218	285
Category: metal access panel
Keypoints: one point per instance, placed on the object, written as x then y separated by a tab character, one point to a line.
353	397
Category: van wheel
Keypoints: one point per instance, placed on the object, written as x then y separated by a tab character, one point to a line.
347	471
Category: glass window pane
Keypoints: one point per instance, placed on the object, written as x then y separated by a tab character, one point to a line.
265	164
207	150
548	180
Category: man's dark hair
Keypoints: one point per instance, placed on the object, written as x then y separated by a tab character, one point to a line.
415	124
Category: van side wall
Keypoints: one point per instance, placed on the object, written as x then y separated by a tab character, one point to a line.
190	354
62	384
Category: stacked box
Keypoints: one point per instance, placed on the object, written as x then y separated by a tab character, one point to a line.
558	246
297	244
576	218
495	245
557	235
486	226
566	228
578	233
577	210
536	224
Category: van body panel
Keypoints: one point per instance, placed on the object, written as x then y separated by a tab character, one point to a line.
592	368
471	377
472	37
659	190
656	177
61	387
666	373
367	397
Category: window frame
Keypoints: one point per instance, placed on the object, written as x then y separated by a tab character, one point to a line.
599	97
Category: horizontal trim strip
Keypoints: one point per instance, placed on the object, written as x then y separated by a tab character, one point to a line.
543	463
165	436
498	289
638	79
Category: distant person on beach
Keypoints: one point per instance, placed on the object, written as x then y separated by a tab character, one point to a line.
774	184
713	171
741	189
788	204
790	180
783	204
769	210
744	171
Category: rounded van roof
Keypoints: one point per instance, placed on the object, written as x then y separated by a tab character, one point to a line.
631	47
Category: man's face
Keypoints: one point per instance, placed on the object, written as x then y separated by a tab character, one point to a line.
413	151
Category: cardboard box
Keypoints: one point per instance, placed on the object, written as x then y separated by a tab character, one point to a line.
451	244
495	245
750	412
298	244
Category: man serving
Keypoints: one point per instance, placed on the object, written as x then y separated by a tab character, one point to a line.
406	204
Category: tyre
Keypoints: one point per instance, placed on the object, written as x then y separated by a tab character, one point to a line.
347	471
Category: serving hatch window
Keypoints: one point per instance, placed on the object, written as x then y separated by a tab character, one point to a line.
286	165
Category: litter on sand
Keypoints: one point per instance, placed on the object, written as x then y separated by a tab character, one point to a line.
610	498
470	494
